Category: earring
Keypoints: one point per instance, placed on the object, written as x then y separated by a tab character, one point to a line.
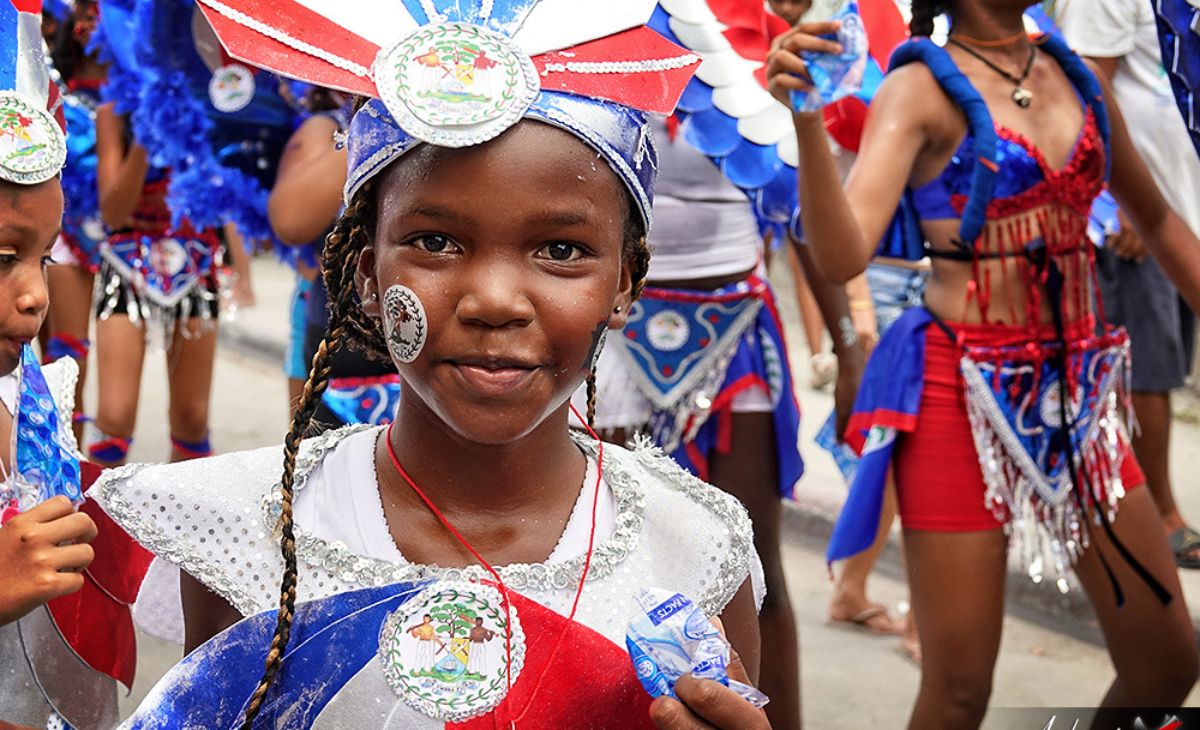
616	310
374	296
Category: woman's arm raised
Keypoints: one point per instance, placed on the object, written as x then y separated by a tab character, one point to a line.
844	226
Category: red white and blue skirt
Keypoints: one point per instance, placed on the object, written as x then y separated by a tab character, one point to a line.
160	277
971	418
693	359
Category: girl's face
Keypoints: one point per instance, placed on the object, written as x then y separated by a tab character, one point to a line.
30	217
790	10
514	248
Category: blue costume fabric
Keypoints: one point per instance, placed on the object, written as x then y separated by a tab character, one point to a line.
1180	44
211	686
44	466
83	230
370	400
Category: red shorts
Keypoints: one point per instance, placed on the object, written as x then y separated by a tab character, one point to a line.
939	483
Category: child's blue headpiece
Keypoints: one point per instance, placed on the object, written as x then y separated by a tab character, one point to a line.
456	73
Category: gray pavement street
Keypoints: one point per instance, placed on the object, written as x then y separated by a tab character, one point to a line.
1050	655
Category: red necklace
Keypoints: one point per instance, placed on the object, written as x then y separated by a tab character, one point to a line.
587	562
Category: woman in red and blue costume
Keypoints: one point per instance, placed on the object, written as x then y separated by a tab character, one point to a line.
999	411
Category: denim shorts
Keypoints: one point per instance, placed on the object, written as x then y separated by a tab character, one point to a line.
894	290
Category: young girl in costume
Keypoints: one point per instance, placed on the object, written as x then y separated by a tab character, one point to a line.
304	205
65	635
44	549
997	402
77	251
494	233
152	275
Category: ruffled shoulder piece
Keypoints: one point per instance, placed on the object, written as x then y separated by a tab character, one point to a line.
206	516
691	522
215	519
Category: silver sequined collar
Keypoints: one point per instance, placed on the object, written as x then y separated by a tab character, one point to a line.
352	568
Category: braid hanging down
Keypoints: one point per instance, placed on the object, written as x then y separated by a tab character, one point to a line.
338	262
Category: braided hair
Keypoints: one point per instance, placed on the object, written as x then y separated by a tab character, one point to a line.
349	326
923	13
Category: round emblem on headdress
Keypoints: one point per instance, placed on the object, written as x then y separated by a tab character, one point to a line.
33	147
444	652
456	84
667	330
231	88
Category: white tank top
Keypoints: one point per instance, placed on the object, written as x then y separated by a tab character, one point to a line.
703	224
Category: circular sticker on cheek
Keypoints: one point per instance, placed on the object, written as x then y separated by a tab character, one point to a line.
404	323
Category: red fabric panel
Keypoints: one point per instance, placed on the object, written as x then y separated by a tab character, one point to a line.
97	621
646	91
297	21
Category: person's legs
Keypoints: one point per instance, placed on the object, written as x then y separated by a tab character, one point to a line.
750	472
120	351
850	602
1152	447
1153	647
239	263
69	318
957	584
190	374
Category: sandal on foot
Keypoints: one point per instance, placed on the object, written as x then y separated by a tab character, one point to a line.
866	619
1185	543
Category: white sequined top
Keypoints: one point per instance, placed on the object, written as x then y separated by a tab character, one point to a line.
214	518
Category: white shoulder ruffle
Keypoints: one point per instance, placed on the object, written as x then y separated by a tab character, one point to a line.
215	518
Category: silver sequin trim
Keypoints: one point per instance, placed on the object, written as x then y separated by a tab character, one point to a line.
140	523
352	568
735	568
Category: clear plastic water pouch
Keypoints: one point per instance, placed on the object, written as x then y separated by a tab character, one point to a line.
671	637
835	77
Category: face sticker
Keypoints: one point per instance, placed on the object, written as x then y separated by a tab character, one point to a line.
404	324
598	337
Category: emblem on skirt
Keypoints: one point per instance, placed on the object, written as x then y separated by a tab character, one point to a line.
231	88
444	652
667	331
456	84
33	147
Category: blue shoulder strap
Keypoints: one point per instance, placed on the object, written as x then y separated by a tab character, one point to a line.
956	86
1085	82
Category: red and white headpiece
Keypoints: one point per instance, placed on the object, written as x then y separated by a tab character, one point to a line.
455	73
